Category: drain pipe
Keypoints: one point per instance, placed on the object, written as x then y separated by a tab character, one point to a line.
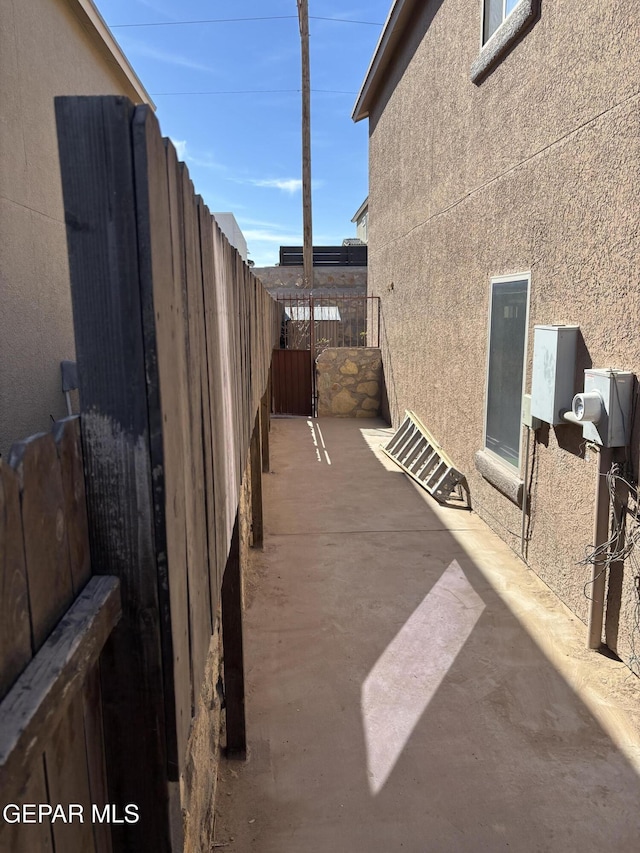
600	536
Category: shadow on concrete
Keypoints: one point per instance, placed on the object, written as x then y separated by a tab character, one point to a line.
396	701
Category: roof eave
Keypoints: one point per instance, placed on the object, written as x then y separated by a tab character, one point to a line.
385	50
361	209
87	11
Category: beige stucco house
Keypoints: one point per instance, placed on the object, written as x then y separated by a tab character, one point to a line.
361	219
504	175
47	48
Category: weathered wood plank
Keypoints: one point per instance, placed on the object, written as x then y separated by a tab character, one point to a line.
222	411
201	626
94	140
41	696
68	781
15	634
161	299
66	434
232	642
35	460
94	736
206	225
32	837
179	470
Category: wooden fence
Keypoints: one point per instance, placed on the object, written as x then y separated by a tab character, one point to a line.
54	621
174	337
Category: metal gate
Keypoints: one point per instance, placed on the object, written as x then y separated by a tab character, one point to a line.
292	382
309	325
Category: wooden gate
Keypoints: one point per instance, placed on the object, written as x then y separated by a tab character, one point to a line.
292	382
55	618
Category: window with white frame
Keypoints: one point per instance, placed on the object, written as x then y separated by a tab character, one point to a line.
504	22
508	319
495	12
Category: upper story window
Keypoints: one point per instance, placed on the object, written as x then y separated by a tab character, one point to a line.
504	22
508	322
495	12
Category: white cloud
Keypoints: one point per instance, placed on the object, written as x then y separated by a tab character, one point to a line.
206	162
287	185
181	147
261	235
133	46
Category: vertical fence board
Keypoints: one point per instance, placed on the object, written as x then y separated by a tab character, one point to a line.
207	226
201	216
179	460
15	633
220	407
94	736
68	780
66	434
199	599
15	653
94	136
46	551
162	307
34	837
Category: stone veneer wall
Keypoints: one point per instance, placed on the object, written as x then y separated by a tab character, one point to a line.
198	785
327	281
349	382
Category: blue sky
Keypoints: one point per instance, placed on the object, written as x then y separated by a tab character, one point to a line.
244	150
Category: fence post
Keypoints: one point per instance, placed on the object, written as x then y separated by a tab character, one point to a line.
265	408
257	527
233	650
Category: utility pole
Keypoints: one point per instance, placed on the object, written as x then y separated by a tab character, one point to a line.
307	230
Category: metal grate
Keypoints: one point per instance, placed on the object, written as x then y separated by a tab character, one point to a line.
416	451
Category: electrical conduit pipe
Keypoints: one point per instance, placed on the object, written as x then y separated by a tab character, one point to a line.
600	536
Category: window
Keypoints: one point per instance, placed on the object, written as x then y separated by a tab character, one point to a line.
495	12
505	368
504	22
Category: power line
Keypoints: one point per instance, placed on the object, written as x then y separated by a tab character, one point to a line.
345	21
237	20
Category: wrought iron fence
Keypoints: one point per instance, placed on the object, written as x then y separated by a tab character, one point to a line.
318	322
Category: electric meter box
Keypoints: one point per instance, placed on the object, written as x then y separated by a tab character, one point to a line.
613	427
553	375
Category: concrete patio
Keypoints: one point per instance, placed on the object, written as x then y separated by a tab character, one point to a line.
412	686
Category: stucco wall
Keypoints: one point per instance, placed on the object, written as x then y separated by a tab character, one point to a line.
537	170
349	382
45	50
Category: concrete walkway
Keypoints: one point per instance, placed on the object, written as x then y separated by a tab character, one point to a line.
412	686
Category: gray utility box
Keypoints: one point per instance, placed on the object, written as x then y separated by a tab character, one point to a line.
611	425
553	376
